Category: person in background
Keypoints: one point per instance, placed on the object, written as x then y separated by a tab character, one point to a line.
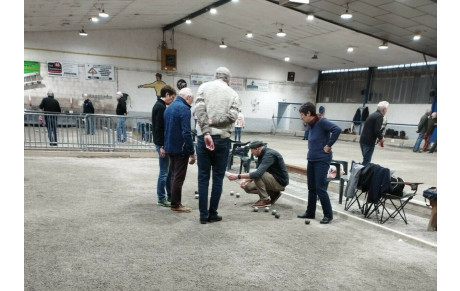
323	135
432	121
178	144
217	107
88	109
121	121
168	94
239	125
49	104
270	178
421	129
372	132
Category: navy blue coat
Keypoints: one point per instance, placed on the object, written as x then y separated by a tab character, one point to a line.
178	133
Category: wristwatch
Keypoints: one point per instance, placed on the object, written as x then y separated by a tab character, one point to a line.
239	176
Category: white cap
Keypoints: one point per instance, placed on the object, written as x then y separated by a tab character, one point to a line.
119	93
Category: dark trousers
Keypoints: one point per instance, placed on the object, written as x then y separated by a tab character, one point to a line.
179	164
317	187
215	161
51	125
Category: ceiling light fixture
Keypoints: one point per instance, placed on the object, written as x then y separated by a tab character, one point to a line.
350	49
346	15
249	35
102	13
223	45
310	17
383	46
235	0
94	19
287	59
417	37
213	11
315	56
82	32
281	33
188	21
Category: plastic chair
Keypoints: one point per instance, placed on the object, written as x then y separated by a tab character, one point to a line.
342	178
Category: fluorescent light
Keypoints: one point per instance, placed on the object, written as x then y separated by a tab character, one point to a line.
249	35
213	10
350	49
287	59
188	21
310	17
280	33
384	45
103	14
82	32
417	37
223	45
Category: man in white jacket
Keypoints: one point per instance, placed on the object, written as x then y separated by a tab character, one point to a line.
217	107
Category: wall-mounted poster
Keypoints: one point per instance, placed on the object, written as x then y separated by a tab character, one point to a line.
197	80
99	72
61	69
31	67
237	84
257	85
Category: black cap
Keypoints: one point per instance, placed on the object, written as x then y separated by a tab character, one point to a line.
255	144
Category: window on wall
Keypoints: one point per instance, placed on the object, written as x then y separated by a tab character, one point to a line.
402	84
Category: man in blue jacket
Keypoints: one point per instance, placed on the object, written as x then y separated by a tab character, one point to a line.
178	144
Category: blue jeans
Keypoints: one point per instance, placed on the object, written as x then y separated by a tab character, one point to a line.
418	142
237	133
89	124
164	177
305	135
367	152
121	129
216	161
51	125
317	187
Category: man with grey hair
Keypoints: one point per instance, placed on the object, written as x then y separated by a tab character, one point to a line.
50	105
217	107
371	133
178	144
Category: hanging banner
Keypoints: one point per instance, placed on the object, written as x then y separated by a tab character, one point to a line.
197	80
99	72
31	67
257	85
237	84
60	69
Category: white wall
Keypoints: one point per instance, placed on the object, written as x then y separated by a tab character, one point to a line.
136	57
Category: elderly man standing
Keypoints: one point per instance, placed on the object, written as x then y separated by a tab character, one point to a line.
121	121
178	144
270	178
372	133
217	107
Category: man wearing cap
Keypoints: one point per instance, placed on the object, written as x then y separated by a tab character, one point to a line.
270	178
121	110
217	107
49	104
88	109
157	85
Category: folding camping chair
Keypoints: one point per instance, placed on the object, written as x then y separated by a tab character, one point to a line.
354	186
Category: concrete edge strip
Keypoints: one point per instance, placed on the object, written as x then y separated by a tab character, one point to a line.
378	226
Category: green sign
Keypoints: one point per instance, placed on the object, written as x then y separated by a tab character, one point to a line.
31	67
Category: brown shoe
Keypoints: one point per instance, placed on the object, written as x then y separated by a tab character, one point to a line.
180	208
262	203
274	196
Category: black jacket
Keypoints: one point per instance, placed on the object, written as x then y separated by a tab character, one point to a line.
121	107
50	104
158	122
371	130
88	106
271	161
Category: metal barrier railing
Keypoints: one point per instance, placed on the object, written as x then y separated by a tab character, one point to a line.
86	132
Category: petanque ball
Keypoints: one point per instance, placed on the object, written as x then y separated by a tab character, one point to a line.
277	215
266	209
273	212
196	196
307	221
255	209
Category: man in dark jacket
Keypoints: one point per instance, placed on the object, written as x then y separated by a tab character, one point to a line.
121	122
158	124
421	129
49	104
179	144
270	178
88	108
371	132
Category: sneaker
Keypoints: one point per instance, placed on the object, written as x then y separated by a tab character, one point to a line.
181	208
214	218
163	202
262	203
274	196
